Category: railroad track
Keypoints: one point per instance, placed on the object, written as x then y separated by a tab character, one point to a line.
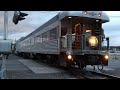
87	74
104	75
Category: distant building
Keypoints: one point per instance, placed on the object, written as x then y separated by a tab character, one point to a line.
114	49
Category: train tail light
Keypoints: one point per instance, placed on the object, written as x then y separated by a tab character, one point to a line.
99	14
85	12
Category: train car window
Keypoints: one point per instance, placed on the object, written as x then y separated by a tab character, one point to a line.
38	39
94	26
53	34
25	43
87	28
44	36
35	39
63	31
32	41
48	35
22	44
28	42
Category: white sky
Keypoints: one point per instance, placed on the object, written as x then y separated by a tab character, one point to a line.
37	18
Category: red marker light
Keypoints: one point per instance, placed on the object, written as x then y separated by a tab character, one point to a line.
85	12
99	14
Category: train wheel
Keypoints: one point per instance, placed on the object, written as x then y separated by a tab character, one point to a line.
49	59
100	68
68	64
31	56
81	65
24	55
56	61
93	67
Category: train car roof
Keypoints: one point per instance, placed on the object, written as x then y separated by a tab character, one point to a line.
91	14
52	20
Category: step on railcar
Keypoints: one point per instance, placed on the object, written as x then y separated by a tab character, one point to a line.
69	38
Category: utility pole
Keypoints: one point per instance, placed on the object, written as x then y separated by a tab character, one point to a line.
3	67
5	43
5	24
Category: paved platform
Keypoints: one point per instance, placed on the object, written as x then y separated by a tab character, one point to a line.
19	68
39	68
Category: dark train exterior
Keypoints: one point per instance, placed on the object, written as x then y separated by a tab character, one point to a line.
69	38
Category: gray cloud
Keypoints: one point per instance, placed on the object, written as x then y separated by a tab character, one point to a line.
112	28
32	22
37	18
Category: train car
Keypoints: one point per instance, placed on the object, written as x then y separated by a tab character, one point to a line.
69	38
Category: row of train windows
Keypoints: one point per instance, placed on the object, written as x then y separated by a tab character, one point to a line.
49	35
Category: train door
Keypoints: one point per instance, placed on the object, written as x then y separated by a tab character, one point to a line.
65	41
66	34
63	38
71	30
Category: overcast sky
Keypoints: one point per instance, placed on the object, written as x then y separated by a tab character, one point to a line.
37	18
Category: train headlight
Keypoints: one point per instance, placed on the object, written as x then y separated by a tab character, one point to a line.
93	41
106	56
69	57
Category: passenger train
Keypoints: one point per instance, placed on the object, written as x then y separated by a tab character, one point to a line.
69	38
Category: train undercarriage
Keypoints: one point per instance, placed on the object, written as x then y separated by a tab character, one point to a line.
81	61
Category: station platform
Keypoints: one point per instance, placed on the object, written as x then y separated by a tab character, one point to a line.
19	68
